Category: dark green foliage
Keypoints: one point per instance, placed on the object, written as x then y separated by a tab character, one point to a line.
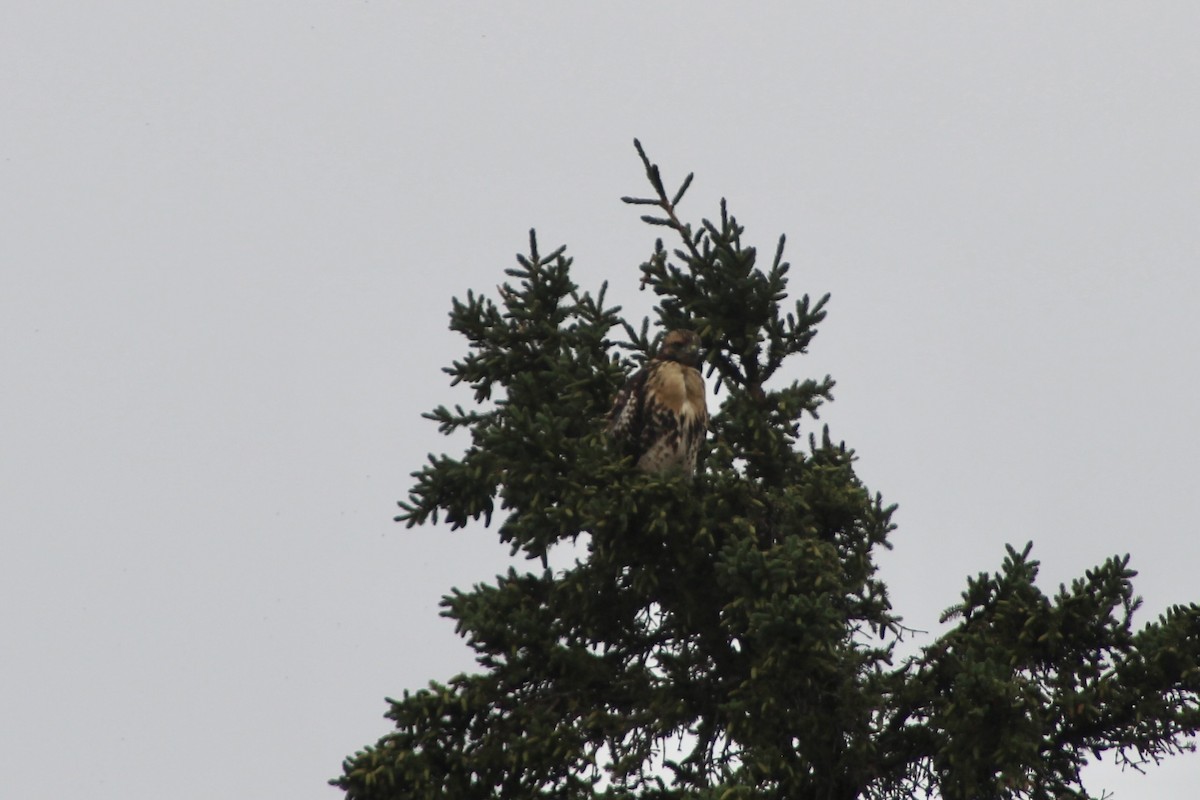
728	637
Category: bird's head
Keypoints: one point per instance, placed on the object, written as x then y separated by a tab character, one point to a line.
682	346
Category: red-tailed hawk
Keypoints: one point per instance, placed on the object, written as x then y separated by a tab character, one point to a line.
659	418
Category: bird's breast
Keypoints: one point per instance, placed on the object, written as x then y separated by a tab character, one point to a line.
679	389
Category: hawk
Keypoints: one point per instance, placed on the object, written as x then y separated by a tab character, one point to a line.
659	417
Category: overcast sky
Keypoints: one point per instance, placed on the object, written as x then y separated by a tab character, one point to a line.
229	236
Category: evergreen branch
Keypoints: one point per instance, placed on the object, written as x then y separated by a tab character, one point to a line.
671	220
682	189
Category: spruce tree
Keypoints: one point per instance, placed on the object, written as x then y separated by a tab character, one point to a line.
728	637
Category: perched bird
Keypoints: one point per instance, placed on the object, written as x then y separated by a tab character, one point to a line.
659	417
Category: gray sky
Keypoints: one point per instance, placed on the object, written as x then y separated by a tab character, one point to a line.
229	235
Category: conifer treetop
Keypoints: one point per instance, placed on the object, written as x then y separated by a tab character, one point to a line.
729	638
